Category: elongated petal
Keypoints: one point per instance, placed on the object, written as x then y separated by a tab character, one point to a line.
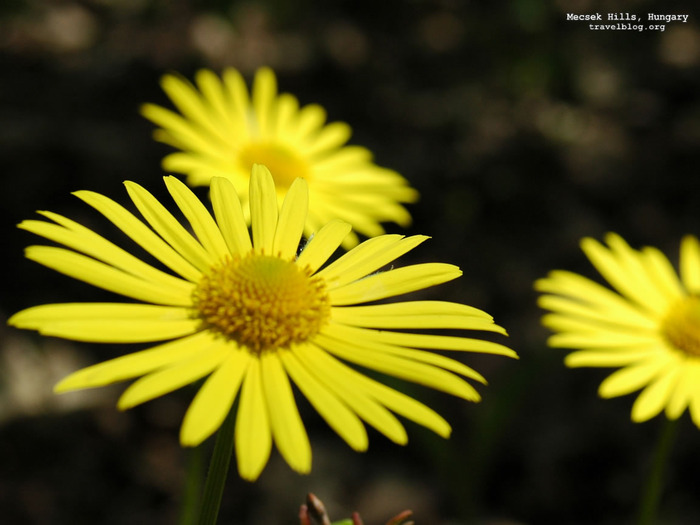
214	400
79	238
199	218
345	383
140	233
106	277
690	264
291	221
136	364
406	406
263	209
169	379
428	341
168	227
652	400
287	428
107	322
331	408
380	316
229	216
323	244
253	435
394	282
396	366
631	378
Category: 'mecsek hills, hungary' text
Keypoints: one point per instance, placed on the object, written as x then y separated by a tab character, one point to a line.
624	17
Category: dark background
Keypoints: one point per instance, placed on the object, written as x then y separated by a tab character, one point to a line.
523	133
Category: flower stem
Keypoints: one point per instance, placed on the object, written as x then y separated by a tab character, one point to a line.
193	485
651	497
218	471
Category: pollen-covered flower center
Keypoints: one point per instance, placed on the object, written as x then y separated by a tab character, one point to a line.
262	302
681	327
284	164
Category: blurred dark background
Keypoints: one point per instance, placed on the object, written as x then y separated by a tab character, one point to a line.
523	133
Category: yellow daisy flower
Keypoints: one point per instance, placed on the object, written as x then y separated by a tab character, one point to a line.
251	314
222	131
650	328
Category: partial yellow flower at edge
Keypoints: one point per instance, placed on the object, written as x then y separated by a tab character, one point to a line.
222	130
648	327
252	316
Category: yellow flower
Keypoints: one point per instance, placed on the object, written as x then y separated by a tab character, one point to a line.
650	328
252	313
221	131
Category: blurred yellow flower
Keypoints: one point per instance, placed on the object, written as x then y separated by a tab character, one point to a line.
650	328
252	313
222	131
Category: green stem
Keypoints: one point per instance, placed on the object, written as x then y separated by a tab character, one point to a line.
218	471
194	475
651	497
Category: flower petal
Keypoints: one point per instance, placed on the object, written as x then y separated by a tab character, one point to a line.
346	384
394	282
166	380
655	396
136	364
290	225
331	408
168	227
394	365
252	432
203	225
229	216
263	209
631	378
107	322
214	400
286	424
690	264
140	233
323	244
106	277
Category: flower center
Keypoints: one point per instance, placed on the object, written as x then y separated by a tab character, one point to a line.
284	164
681	327
262	302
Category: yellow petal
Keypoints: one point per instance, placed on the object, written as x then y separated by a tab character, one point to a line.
214	400
609	357
287	427
396	366
229	216
361	263
394	282
168	227
380	316
655	396
106	277
200	220
140	233
166	380
323	244
252	432
331	408
631	378
436	342
690	264
344	382
263	208
107	322
79	238
136	364
263	99
290	225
